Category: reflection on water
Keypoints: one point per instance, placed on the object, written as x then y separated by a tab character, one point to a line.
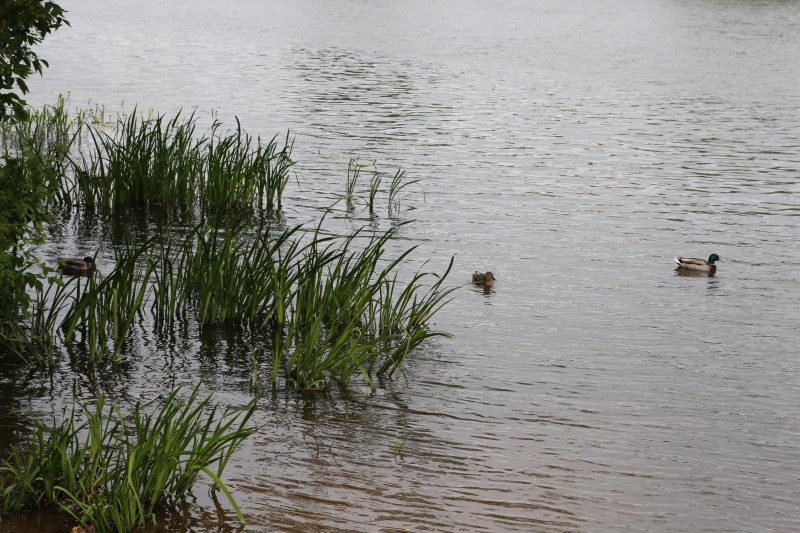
573	149
695	273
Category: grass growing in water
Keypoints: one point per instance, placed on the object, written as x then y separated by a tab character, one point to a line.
374	187
240	173
330	308
150	161
106	309
116	472
393	194
142	162
346	317
33	339
396	186
46	136
353	171
325	309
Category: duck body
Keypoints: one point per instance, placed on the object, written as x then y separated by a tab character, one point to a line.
75	266
483	278
700	265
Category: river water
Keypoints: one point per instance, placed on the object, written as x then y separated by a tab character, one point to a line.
573	148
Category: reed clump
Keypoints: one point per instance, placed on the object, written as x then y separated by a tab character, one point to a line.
34	339
331	308
104	312
394	193
349	315
156	161
326	308
45	137
323	310
141	162
150	161
115	472
240	172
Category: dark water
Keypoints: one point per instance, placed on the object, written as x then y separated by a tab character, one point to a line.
573	148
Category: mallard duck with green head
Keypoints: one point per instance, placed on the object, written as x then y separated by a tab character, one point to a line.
699	265
76	267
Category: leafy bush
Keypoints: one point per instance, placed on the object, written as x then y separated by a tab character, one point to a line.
23	23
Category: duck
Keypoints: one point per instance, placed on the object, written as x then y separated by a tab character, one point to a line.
693	263
486	279
75	266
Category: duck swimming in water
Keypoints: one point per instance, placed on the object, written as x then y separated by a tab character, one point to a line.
76	267
700	265
485	279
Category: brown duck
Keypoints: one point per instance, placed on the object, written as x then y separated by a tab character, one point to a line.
485	279
76	267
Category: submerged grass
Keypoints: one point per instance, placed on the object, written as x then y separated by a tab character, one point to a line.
374	187
116	472
346	320
330	309
396	186
240	172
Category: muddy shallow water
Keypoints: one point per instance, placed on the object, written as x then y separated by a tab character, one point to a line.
573	149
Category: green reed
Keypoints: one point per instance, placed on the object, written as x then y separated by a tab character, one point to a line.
353	171
45	138
116	472
157	161
150	161
277	174
169	283
33	339
374	188
105	312
314	348
393	194
335	328
329	308
396	186
232	273
242	172
322	302
142	162
406	315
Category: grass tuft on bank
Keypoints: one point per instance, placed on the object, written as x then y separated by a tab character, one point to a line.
115	472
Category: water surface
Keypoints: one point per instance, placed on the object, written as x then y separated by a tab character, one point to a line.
572	148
